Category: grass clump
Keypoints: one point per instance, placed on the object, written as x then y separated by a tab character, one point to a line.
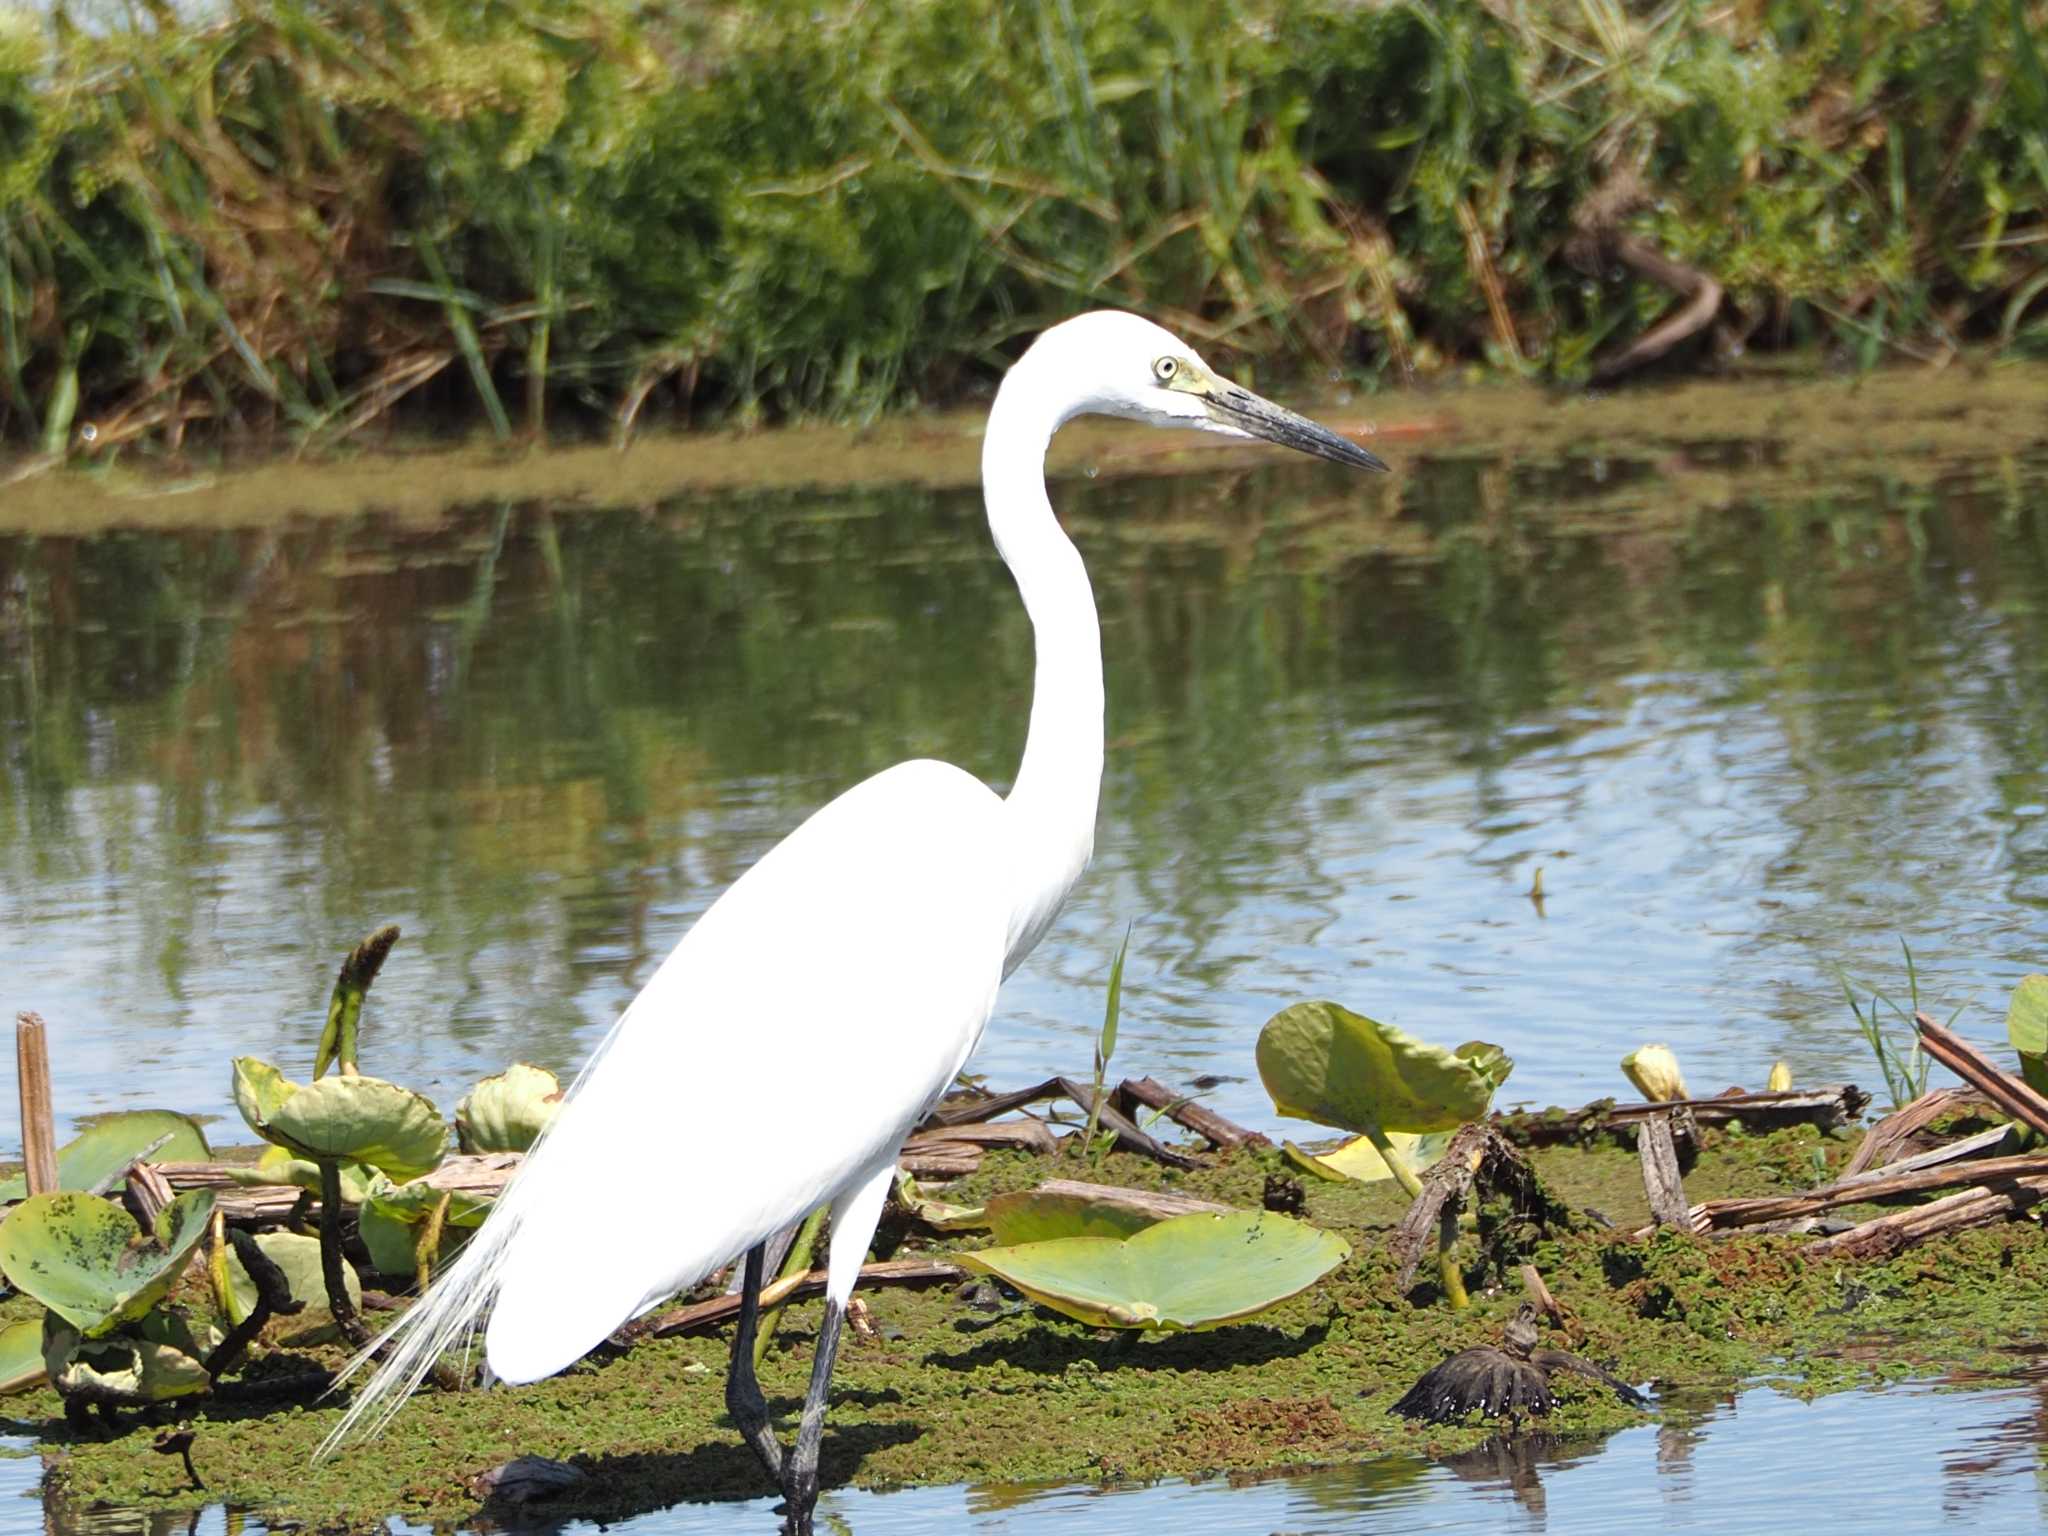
285	217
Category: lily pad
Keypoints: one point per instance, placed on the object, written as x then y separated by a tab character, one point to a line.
2026	1026
1322	1062
508	1112
103	1149
391	1221
82	1257
120	1369
21	1356
299	1258
364	1119
938	1214
1193	1272
1061	1209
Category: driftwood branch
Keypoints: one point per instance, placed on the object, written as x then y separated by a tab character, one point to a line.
1478	1156
2009	1093
1661	1181
707	1314
1128	1137
1901	1125
1864	1189
1184	1111
1826	1107
1980	1206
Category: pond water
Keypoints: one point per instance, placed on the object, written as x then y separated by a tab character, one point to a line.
1753	741
1751	746
1743	1462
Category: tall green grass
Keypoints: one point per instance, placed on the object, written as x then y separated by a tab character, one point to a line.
297	219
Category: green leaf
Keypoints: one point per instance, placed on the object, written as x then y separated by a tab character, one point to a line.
1061	1209
1359	1159
361	1118
277	1166
83	1258
120	1369
21	1356
508	1112
103	1149
299	1258
1191	1272
1112	1006
390	1223
1322	1062
2026	1026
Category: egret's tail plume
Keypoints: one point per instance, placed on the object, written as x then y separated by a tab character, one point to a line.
450	1313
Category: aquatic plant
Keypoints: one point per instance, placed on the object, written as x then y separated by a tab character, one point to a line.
103	1338
1322	1062
2026	1026
1904	1071
93	1159
1105	1045
508	1112
1198	1271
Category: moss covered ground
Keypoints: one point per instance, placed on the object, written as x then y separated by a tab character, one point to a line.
955	1386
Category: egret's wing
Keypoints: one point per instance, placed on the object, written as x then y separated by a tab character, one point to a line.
788	1043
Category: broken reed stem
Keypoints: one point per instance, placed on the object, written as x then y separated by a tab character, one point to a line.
38	1118
1661	1179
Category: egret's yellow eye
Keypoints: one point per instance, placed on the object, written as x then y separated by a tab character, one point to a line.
1165	369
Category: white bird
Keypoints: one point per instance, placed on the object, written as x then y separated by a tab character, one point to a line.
812	1017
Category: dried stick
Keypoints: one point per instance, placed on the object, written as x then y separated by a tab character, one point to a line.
38	1119
2009	1093
1184	1111
706	1314
1661	1181
1976	1207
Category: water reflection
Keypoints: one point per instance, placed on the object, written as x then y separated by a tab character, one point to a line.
1746	745
1907	1458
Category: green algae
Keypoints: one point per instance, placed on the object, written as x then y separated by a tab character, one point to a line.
946	1390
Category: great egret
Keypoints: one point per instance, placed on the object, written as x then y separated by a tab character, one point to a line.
814	1014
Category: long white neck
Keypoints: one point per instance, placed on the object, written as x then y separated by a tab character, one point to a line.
1051	808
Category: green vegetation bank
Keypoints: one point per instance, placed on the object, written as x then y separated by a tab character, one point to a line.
288	220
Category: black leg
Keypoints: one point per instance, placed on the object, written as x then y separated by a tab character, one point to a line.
800	1473
743	1399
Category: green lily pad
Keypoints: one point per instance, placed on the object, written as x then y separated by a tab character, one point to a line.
120	1369
390	1224
1322	1062
2026	1026
21	1356
938	1214
1192	1272
106	1147
508	1112
363	1119
299	1258
83	1258
1054	1211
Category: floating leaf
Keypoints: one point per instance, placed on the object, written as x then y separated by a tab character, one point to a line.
2026	1026
83	1258
1322	1062
21	1356
391	1220
299	1258
1191	1272
361	1118
508	1112
106	1147
1061	1209
120	1369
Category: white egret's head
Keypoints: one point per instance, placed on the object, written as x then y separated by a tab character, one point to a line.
1117	364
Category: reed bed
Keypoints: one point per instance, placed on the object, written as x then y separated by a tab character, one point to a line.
288	221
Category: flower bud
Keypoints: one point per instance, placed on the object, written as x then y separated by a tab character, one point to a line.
1654	1071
